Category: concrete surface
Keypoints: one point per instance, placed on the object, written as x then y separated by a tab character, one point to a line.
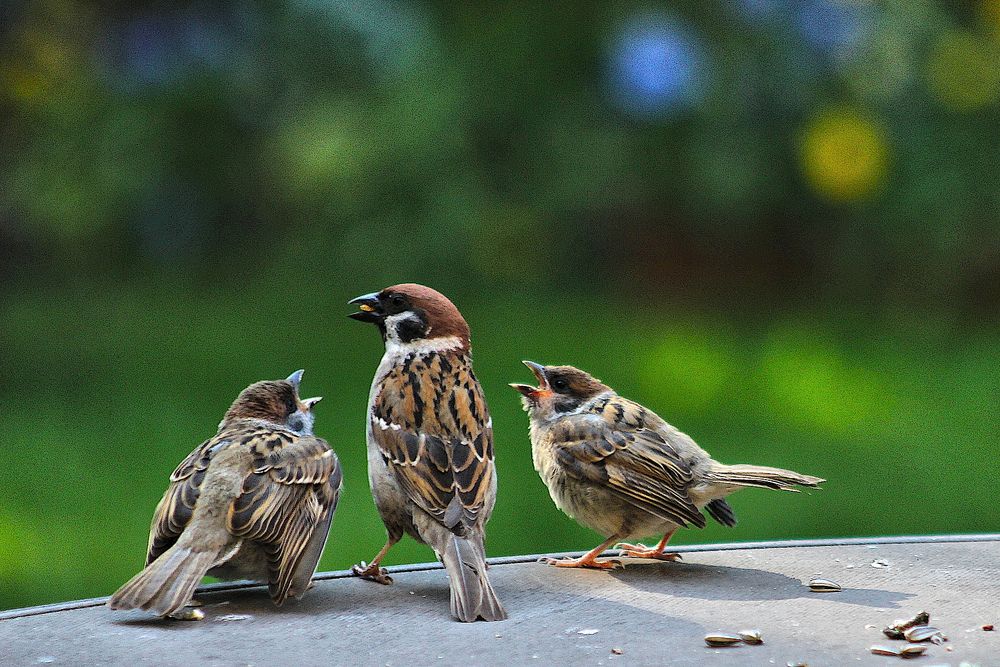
653	613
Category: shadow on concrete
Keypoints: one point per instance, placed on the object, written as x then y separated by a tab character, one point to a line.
717	582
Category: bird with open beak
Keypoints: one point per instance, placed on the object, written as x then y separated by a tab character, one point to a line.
430	442
255	502
620	470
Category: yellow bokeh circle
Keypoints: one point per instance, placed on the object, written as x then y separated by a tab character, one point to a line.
844	154
963	70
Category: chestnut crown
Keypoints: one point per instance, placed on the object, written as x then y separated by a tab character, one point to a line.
409	312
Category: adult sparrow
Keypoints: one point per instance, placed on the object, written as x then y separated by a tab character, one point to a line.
620	470
430	442
253	502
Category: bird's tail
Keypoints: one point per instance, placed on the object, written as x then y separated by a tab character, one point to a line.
166	584
472	596
762	476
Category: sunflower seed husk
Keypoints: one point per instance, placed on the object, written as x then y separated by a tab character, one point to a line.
234	617
912	650
901	625
188	614
796	664
722	639
824	586
884	650
751	636
923	633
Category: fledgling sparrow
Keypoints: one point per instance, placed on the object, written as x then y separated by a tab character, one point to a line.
620	470
253	502
430	442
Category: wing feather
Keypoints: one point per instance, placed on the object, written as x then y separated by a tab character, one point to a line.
638	464
432	426
176	508
292	490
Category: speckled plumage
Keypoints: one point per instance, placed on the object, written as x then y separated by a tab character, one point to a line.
622	471
253	502
430	443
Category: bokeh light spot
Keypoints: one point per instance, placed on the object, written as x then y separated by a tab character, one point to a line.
836	27
688	368
813	383
963	71
844	154
21	544
657	67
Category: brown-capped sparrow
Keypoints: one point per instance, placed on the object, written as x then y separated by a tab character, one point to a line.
620	470
253	502
430	442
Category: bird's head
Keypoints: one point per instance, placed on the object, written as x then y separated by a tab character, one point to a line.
277	402
411	314
561	390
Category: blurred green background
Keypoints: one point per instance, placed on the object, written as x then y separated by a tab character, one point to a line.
775	222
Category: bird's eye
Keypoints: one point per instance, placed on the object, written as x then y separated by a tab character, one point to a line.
398	301
560	384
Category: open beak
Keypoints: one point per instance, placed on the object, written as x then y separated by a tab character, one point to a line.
543	383
308	403
369	308
296	378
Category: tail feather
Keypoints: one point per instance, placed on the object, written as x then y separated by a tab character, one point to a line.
166	584
762	476
722	512
472	596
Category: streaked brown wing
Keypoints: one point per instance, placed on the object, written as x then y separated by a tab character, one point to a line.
433	428
638	465
291	491
177	505
446	477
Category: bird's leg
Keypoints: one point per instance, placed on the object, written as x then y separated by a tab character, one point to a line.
642	551
588	560
372	571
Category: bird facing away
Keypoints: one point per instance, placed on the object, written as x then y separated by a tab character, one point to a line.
430	442
620	470
253	502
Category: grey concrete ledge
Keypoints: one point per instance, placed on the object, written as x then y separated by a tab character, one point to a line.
653	613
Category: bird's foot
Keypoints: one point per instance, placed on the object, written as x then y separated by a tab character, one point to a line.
642	551
372	573
586	561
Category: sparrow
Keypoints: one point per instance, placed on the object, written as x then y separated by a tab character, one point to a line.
620	470
430	442
254	502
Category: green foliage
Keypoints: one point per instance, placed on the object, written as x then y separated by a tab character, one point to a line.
109	387
773	222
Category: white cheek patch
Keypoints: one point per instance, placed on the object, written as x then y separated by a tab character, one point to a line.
392	324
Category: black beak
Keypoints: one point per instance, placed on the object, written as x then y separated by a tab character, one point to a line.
369	308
